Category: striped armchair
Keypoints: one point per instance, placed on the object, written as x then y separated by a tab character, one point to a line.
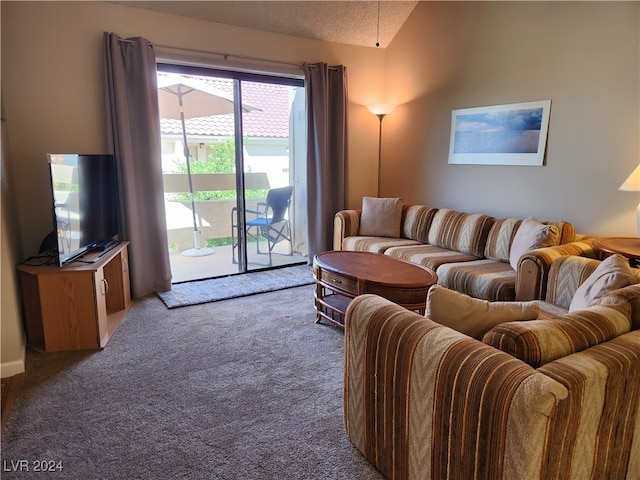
422	401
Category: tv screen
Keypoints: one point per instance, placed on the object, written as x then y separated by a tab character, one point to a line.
85	203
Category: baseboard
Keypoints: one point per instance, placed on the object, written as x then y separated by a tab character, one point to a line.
10	388
9	369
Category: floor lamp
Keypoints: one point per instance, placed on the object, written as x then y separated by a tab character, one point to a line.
380	110
632	184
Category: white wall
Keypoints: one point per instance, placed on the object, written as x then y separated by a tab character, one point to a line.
13	339
583	56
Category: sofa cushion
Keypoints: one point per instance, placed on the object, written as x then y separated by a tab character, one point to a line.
427	255
374	244
381	217
532	234
504	230
463	232
472	316
500	238
538	342
488	279
613	273
416	221
566	273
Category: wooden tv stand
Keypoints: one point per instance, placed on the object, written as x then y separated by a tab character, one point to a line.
78	306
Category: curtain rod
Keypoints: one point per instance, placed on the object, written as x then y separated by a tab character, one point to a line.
224	55
227	55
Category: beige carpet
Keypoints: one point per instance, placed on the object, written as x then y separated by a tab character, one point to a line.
249	388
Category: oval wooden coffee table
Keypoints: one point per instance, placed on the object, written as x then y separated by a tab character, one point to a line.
341	276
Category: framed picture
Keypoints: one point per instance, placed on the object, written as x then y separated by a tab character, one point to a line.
514	134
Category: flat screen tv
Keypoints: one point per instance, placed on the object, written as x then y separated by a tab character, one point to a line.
85	203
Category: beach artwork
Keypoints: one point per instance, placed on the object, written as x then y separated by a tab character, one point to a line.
514	134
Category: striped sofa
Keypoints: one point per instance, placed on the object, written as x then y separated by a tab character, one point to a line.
469	252
552	398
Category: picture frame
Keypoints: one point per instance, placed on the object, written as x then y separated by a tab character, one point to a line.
512	134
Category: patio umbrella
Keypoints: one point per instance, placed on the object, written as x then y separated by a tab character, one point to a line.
180	98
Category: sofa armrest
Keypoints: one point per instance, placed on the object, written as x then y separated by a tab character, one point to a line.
627	300
417	393
597	429
533	267
346	223
537	342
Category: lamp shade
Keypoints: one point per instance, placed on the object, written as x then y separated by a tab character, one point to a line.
381	108
632	183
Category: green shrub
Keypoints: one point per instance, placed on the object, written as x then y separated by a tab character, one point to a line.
222	159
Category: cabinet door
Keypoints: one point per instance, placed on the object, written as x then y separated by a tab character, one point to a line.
102	290
68	311
126	281
116	273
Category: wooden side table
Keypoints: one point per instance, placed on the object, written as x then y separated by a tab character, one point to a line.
626	246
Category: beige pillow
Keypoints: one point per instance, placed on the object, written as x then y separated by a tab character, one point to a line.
532	234
472	316
381	217
614	272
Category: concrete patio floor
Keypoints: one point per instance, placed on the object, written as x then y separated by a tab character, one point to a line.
184	269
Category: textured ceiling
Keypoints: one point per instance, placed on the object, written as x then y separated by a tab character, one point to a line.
353	23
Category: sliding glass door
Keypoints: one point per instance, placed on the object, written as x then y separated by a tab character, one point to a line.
233	161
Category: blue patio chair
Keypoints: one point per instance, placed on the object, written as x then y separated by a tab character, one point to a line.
271	222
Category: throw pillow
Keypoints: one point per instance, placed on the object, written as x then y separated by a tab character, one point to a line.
532	234
472	316
614	272
381	217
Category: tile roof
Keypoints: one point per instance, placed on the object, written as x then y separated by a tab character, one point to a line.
270	119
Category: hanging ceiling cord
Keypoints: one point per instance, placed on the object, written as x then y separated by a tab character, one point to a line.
378	32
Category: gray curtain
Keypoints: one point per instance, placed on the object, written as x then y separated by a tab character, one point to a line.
134	123
326	89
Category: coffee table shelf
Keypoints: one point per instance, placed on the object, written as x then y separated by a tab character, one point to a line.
331	307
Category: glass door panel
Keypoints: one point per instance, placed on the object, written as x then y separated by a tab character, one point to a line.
268	173
242	138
